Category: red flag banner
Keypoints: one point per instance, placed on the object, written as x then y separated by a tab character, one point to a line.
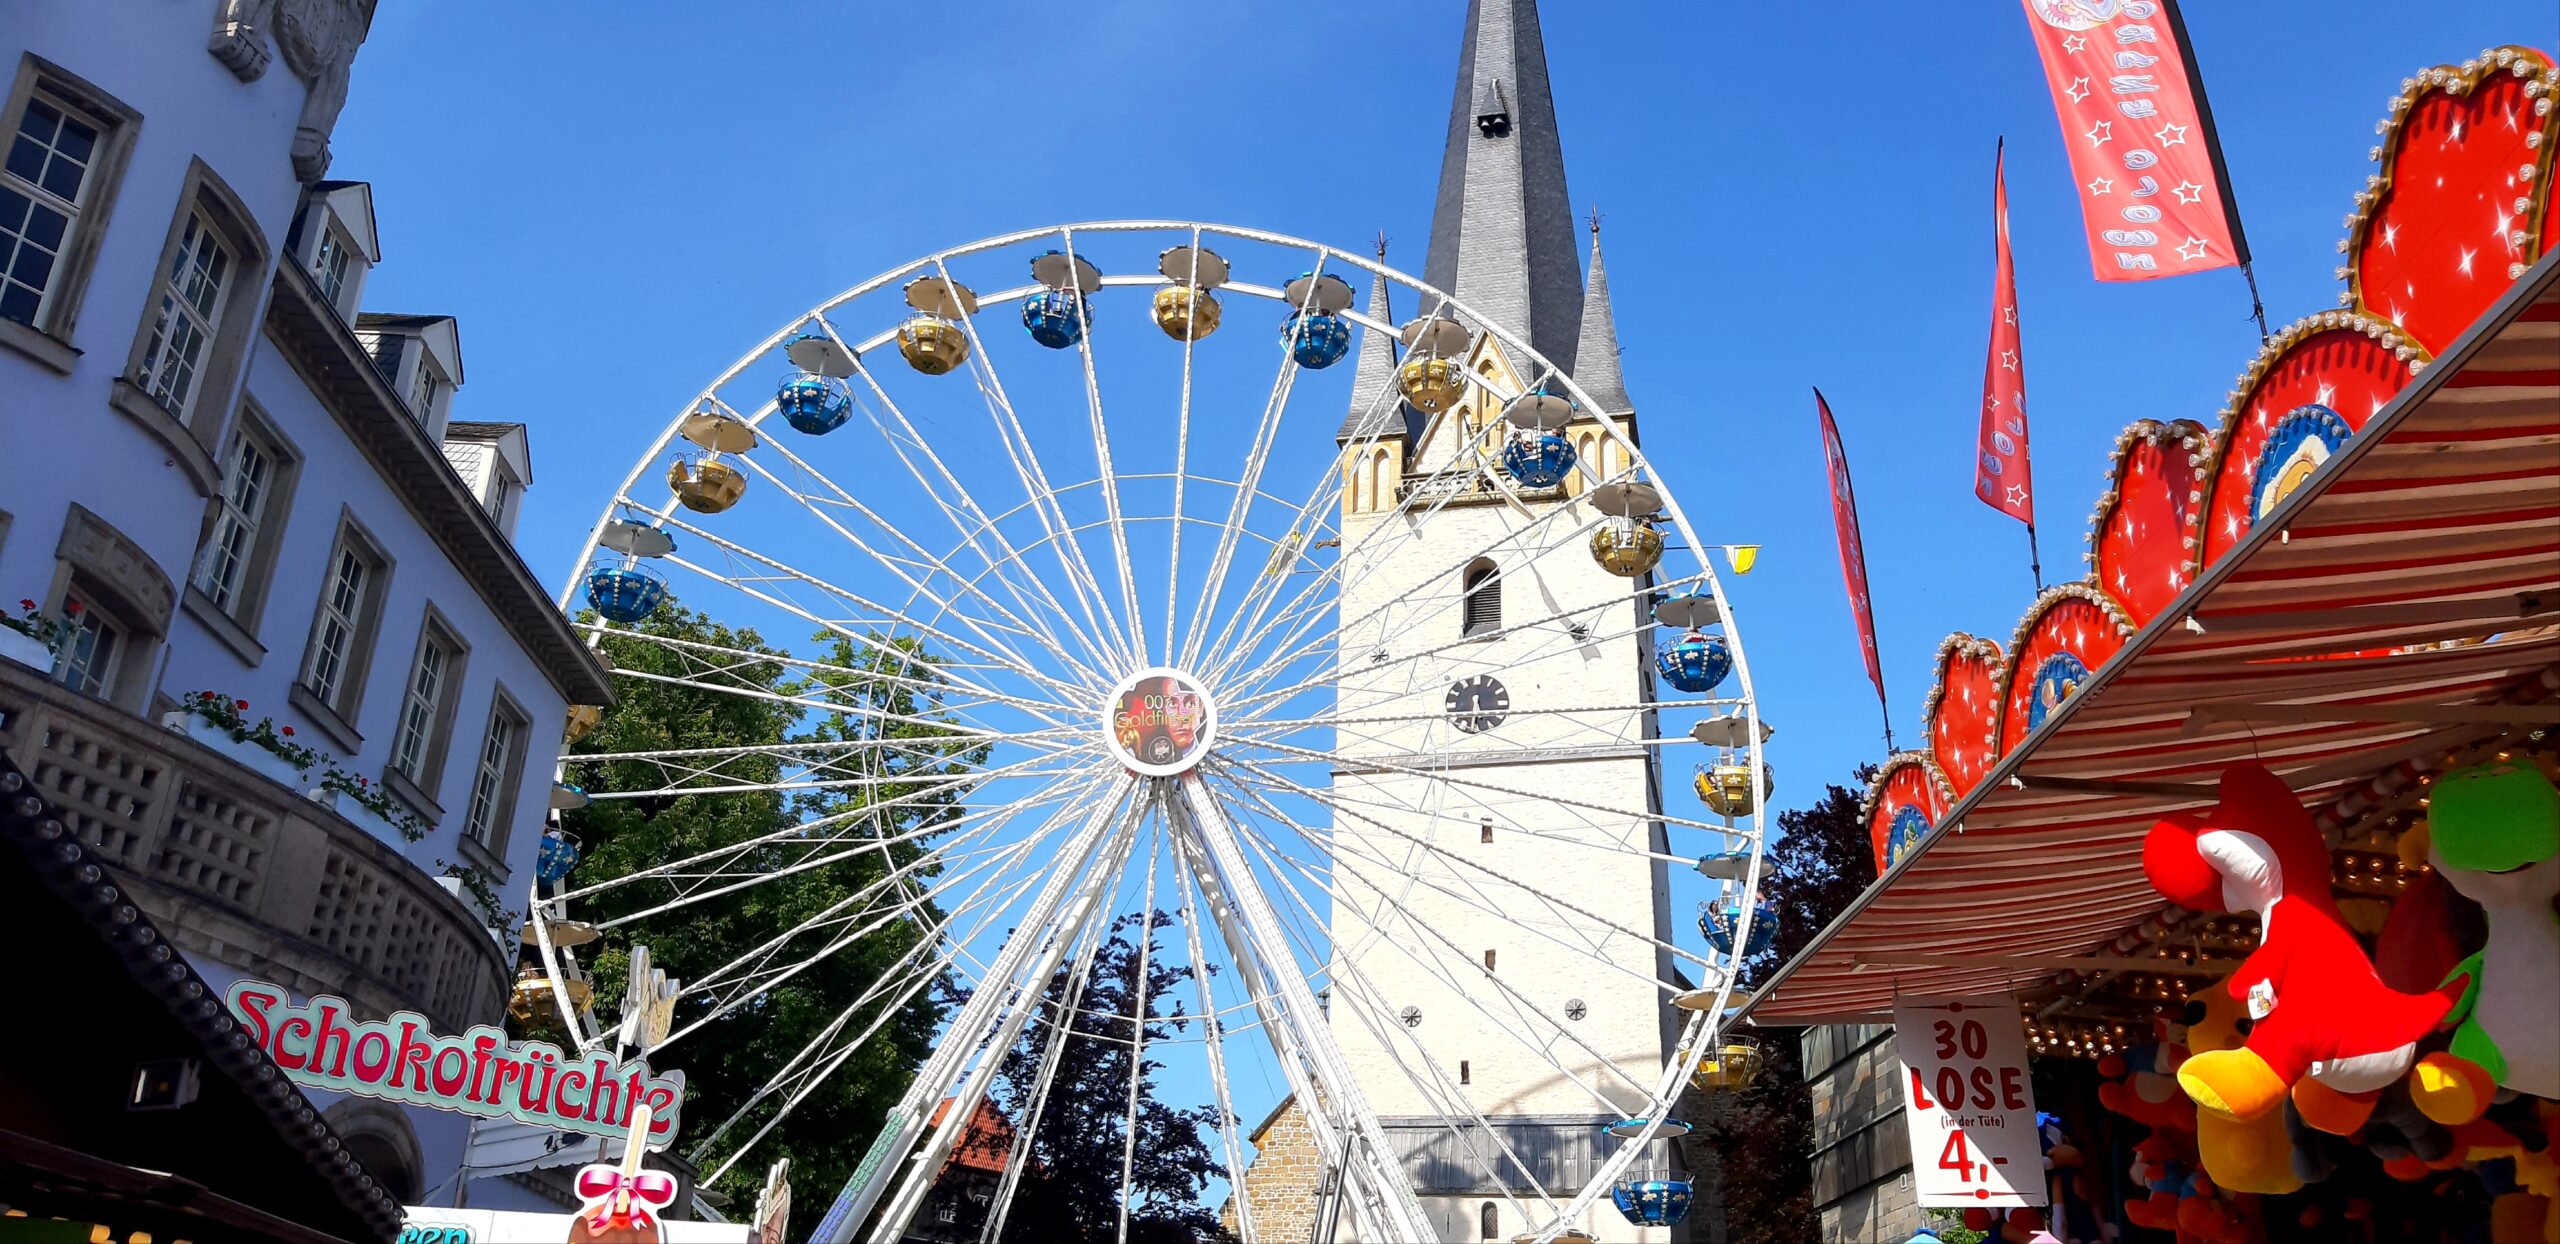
2001	476
1853	552
2152	193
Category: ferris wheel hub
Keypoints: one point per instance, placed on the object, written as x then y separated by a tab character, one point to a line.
1159	721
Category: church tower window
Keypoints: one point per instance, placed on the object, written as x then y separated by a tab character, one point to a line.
1481	607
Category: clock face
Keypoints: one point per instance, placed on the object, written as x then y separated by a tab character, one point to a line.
1478	704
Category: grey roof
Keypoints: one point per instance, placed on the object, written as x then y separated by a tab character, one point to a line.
473	430
1595	365
1370	413
395	319
1502	236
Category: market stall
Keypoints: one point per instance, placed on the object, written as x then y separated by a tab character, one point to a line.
2320	636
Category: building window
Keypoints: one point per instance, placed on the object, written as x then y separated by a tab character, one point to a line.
1489	1222
1484	830
1488	961
494	781
187	309
344	623
1466	1075
424	389
329	263
87	661
417	746
1481	603
341	624
46	184
247	478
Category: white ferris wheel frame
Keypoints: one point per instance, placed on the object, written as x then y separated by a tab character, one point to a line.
1381	1197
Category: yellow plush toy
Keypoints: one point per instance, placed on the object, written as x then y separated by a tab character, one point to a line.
2252	1156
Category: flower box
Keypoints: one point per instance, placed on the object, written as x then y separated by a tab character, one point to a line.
249	755
356	814
25	649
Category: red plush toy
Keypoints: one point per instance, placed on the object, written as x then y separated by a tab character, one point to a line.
2319	1009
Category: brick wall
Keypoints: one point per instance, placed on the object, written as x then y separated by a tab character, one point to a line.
1282	1178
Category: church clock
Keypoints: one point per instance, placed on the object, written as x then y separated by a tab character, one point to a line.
1478	704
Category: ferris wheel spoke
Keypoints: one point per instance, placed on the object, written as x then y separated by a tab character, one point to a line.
704	660
874	613
989	902
1344	848
1140	1005
1111	509
1371	1009
1325	502
1181	477
917	560
1213	1039
1016	991
1240	508
1442	775
1328	1119
970	519
1072	561
806	831
1062	1029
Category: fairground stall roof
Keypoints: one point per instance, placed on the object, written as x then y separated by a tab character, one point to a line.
2354	579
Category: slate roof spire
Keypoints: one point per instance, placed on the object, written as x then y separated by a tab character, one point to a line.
1502	226
1595	365
1370	413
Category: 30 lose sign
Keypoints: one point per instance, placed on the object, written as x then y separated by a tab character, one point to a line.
2003	1088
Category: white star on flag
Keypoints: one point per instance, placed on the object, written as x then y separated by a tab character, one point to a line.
2198	243
2009	313
2101	133
2188	192
2171	135
2100	186
2009	359
2078	90
2017	495
1991	400
2074	43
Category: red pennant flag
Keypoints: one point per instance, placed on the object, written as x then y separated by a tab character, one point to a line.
2001	476
2152	190
1853	552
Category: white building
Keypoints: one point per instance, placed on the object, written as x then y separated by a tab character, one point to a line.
249	486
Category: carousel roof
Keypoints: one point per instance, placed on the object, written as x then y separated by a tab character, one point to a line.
2354	577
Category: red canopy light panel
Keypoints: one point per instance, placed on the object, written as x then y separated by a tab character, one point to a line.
2072	630
2146	523
2461	204
2311	388
1963	710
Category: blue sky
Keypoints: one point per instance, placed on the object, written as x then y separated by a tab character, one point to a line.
619	199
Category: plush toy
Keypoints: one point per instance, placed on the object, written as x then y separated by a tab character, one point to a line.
2495	836
2181	1199
2142	1082
2242	1155
2416	950
2317	1008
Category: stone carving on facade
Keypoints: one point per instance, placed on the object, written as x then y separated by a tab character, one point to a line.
319	39
119	567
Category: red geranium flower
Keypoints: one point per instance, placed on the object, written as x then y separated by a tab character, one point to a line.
73	607
288	732
24	603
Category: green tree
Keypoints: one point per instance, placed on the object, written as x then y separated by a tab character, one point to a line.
1764	1142
1071	1189
883	741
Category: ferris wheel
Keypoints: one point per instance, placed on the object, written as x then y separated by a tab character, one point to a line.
1121	615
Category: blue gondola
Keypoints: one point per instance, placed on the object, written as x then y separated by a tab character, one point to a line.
1538	459
1054	318
1695	663
625	593
1316	339
813	403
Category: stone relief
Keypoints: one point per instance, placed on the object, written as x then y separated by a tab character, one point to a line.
319	39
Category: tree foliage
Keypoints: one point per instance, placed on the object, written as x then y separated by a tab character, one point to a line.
1764	1143
1071	1189
886	783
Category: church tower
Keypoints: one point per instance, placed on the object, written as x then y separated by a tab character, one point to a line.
1512	1024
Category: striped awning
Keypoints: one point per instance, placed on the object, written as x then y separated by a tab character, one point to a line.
2403	602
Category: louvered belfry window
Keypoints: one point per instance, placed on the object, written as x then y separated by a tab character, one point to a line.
1482	606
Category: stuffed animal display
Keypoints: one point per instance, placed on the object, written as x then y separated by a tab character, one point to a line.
2495	837
2317	1008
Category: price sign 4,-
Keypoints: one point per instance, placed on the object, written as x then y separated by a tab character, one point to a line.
1967	1099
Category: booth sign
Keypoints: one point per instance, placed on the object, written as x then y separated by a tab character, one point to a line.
1966	1096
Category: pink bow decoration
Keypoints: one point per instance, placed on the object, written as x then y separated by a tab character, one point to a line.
650	1190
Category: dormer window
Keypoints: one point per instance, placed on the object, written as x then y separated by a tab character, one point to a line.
1495	120
329	264
426	389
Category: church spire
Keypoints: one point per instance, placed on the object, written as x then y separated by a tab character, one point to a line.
1595	365
1502	225
1371	412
